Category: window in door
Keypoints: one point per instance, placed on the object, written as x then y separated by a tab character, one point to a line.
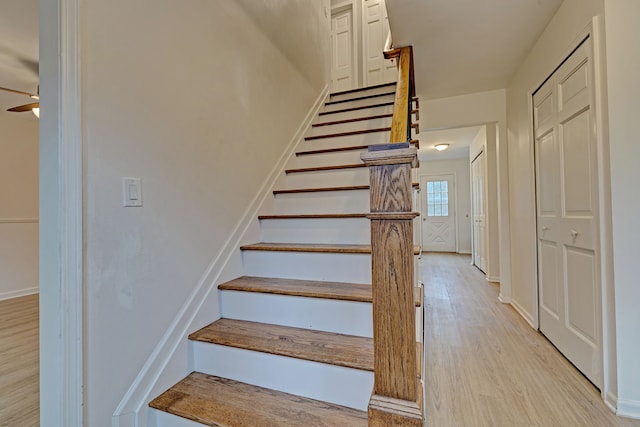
437	198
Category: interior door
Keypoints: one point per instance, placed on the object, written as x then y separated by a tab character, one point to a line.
567	208
378	70
478	207
342	57
439	230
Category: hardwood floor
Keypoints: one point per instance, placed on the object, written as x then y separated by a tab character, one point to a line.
487	367
19	362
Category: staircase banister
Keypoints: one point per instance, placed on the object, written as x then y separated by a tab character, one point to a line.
405	91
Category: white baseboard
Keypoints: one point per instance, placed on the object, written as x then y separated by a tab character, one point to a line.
493	279
628	408
19	293
464	252
524	313
611	400
132	411
503	299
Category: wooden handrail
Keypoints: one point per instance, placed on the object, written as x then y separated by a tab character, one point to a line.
396	399
405	91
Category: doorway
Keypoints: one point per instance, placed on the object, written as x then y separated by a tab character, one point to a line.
567	207
342	49
438	220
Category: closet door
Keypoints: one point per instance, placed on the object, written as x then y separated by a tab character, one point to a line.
342	56
567	209
376	27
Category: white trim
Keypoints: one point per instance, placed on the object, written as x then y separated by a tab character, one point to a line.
465	252
19	220
524	313
504	299
70	175
493	279
611	400
19	293
61	250
628	408
129	411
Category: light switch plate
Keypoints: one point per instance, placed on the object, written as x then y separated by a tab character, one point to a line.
131	192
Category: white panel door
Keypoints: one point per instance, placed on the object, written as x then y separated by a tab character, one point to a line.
478	207
342	57
438	216
567	208
376	27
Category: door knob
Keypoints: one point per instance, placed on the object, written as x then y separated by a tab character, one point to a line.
574	233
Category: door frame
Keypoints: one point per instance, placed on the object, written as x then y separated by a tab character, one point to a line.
424	176
593	30
473	213
61	237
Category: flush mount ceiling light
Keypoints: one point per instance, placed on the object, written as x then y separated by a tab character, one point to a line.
441	147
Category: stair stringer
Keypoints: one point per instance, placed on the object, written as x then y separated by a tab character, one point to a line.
170	360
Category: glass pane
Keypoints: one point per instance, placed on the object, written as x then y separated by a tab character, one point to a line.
445	186
430	210
438	210
445	210
429	187
436	186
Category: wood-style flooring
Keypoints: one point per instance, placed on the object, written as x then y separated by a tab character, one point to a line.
485	366
19	362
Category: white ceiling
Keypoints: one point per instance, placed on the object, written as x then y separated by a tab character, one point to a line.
466	46
459	140
18	51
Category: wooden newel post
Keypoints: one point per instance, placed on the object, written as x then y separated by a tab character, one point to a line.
396	392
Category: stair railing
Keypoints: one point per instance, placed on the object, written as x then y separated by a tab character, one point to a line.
397	392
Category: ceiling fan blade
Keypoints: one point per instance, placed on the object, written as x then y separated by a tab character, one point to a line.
26	107
19	92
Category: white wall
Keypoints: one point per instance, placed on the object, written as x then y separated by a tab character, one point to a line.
198	101
459	167
623	69
18	204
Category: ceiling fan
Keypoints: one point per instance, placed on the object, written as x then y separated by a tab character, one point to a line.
33	106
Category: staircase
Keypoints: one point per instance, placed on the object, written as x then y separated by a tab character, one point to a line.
294	345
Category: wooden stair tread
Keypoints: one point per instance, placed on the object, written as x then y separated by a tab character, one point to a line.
221	402
353	132
318	346
362	89
414	142
313	247
363	107
314	216
303	288
326	168
360	98
307	288
320	189
357	119
308	247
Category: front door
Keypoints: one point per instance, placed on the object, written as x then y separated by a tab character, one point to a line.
439	231
567	210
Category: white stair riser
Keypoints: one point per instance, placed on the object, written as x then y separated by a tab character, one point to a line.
359	103
326	159
346	141
356	201
335	384
364	112
350	126
327	178
341	317
165	419
352	268
366	92
332	230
